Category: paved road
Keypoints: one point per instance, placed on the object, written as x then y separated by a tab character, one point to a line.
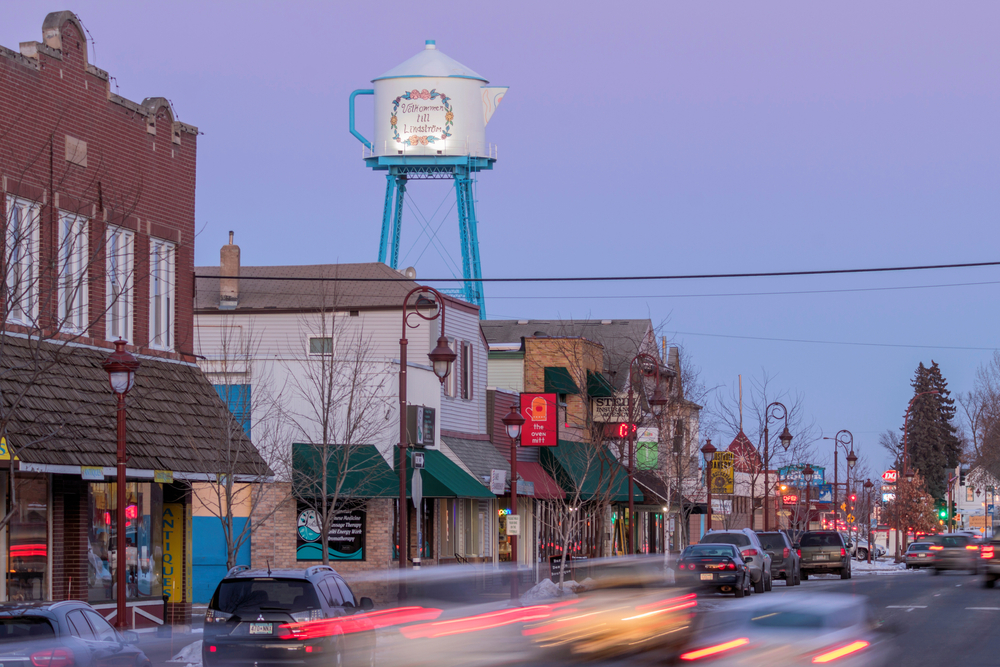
943	620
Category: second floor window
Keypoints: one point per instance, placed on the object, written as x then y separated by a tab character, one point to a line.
119	290
161	294
72	273
21	249
466	370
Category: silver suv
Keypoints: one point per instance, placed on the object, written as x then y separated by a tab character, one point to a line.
751	550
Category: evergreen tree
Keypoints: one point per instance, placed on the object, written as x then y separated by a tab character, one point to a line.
932	443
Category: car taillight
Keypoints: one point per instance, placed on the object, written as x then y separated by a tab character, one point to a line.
936	547
843	552
971	547
748	552
715	650
987	552
52	657
798	552
840	652
731	566
785	552
681	565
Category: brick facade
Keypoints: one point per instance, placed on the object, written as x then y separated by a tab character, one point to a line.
576	355
70	144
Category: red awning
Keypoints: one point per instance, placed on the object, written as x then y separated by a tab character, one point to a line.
545	487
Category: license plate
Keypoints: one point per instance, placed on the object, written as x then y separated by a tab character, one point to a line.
707	577
918	556
261	628
821	557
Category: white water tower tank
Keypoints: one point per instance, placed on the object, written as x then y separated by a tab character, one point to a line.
432	105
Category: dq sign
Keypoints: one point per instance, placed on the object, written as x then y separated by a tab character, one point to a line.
890	476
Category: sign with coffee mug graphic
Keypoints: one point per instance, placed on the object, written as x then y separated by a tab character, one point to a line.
541	425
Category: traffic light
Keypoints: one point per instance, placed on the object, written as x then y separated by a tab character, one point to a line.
943	513
961	476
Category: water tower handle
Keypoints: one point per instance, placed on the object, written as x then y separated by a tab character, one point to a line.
357	134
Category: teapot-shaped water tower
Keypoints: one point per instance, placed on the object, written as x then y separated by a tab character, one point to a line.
430	123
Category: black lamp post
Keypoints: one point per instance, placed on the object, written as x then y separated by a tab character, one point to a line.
774	411
708	451
656	403
845	439
513	421
121	367
808	473
441	358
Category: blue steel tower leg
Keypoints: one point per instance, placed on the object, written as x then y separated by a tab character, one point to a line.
400	191
383	246
469	238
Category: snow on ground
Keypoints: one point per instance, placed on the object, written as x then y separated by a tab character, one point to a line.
546	590
884	566
190	655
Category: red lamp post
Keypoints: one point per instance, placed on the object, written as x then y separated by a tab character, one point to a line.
656	403
708	451
441	358
121	367
513	421
774	411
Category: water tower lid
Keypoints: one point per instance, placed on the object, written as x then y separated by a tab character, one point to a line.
431	62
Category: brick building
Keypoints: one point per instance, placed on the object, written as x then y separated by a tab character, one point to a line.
98	200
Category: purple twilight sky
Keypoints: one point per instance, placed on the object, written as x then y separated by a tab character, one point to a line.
636	138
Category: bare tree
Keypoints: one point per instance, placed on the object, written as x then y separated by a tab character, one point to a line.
242	481
751	420
343	404
980	410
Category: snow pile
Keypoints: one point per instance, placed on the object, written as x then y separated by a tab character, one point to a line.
190	655
546	590
878	567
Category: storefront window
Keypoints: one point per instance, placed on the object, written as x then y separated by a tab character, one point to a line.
28	562
143	540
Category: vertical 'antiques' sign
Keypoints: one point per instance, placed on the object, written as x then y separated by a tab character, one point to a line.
722	472
345	541
541	427
173	551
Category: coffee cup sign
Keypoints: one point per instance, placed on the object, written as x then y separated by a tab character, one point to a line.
541	426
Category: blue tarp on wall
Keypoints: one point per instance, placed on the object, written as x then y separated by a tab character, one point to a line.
209	554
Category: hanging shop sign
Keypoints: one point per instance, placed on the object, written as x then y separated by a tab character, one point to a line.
498	480
163	476
92	473
646	451
345	541
890	476
173	551
541	428
611	408
513	525
420	425
824	493
722	472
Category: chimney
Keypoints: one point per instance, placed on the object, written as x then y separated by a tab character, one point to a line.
229	272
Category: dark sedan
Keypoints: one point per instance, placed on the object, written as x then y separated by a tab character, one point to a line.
717	566
63	634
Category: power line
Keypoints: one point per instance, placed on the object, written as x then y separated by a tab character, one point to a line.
572	279
836	342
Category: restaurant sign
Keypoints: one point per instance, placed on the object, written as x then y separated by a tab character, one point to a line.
541	427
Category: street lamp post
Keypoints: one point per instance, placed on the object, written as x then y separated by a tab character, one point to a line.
808	473
656	403
868	518
121	367
441	358
907	473
774	411
708	451
845	439
513	421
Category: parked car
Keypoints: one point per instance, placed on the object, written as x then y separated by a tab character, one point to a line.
752	552
255	617
68	633
918	555
718	566
824	552
784	559
953	551
861	551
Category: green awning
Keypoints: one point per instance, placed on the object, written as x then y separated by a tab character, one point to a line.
559	381
366	474
599	386
363	471
577	465
444	479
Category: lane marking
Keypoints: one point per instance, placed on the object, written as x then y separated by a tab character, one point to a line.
937	595
907	606
984	608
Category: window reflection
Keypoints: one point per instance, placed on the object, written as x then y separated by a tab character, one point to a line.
143	541
27	562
